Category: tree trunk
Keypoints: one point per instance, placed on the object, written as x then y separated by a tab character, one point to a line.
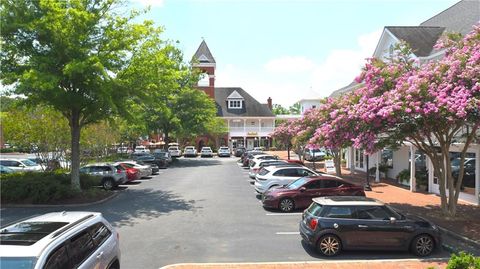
337	159
75	128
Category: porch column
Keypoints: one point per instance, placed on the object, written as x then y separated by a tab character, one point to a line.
377	171
228	124
413	182
352	160
244	125
259	126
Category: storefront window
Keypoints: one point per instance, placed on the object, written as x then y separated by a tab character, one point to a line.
469	173
387	158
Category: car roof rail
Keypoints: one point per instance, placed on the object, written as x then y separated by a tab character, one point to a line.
67	227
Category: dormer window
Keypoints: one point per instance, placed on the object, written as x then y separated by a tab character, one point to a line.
235	104
235	100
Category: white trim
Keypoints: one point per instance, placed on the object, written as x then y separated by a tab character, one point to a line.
235	104
204	65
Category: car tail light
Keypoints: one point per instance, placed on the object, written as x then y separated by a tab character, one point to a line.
119	171
313	224
255	170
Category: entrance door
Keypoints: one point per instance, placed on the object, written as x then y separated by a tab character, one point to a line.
250	144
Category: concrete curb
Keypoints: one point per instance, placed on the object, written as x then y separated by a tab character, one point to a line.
115	194
297	264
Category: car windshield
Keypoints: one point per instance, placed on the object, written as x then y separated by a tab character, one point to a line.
27	162
297	183
17	262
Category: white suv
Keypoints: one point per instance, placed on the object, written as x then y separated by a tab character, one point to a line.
21	165
60	240
175	151
269	177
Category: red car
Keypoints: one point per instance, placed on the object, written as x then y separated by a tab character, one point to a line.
132	173
299	193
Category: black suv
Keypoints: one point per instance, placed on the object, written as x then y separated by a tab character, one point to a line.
336	223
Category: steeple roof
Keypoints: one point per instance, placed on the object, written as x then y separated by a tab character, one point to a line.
203	54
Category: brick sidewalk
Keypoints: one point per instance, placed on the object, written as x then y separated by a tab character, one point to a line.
408	264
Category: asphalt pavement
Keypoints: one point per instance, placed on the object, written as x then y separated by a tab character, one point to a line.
201	211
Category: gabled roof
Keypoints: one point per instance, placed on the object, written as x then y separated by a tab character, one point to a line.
235	95
203	54
420	38
251	107
350	87
457	18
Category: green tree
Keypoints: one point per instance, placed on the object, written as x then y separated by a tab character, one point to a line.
170	104
279	110
294	109
40	128
68	54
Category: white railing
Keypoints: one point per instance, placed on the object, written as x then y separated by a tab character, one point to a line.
251	129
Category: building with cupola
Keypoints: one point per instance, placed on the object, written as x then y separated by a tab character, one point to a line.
248	121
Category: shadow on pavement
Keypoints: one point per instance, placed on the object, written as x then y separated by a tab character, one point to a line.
127	209
144	204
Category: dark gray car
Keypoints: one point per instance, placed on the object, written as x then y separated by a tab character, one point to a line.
336	223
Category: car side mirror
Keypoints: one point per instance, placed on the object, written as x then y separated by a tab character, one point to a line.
22	165
302	189
393	220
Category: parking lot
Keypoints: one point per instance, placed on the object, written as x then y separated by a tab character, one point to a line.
201	210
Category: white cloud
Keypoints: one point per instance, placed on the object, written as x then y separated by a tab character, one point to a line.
152	3
342	66
289	64
306	79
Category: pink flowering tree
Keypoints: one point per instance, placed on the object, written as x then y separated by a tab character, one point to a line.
284	133
433	106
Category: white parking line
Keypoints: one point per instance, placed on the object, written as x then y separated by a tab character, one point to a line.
287	233
284	214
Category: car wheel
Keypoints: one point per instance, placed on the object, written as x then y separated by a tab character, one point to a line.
108	184
423	245
329	245
286	205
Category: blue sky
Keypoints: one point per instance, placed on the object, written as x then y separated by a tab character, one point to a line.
287	50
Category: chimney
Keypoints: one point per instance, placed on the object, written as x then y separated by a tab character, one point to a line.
269	103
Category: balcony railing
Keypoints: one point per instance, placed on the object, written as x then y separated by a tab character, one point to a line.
251	129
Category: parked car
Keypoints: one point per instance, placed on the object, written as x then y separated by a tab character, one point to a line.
155	163
299	193
175	151
6	170
314	155
145	170
248	156
336	223
189	151
239	151
258	149
295	161
125	150
273	176
256	165
21	165
262	157
60	240
141	149
109	175
165	155
224	152
206	152
132	172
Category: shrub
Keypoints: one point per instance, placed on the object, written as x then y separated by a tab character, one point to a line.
5	150
463	261
44	187
273	149
403	176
